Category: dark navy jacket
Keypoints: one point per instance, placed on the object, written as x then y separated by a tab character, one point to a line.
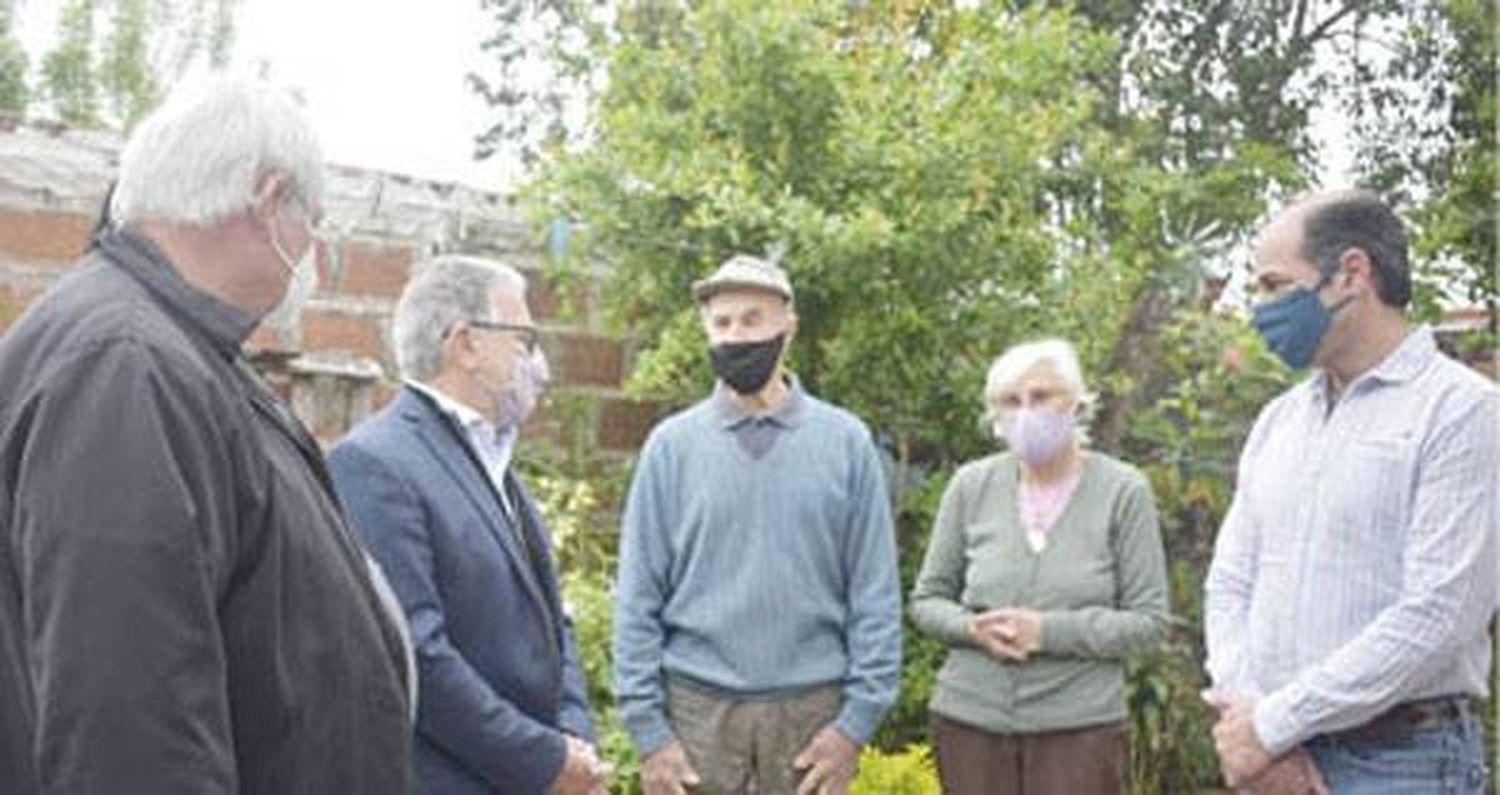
500	682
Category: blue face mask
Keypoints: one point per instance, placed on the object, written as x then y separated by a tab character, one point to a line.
1293	325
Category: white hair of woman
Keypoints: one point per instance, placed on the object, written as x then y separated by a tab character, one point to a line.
1011	367
200	157
442	292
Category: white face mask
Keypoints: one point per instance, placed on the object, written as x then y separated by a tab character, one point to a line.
302	282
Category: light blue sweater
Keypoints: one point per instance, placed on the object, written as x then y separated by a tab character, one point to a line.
757	575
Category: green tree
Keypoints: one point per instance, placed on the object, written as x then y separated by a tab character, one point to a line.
942	182
69	80
543	75
931	187
184	33
1457	220
14	93
125	73
935	195
1222	94
111	75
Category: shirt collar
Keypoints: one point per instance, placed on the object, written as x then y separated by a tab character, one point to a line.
466	415
500	442
787	413
1409	358
226	327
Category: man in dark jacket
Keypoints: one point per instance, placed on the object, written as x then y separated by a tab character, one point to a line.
428	482
182	608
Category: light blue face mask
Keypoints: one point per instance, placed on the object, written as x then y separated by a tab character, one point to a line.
1294	324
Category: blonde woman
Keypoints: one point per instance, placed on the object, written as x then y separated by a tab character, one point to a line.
1044	573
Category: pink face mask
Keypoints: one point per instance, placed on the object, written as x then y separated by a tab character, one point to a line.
520	398
1036	435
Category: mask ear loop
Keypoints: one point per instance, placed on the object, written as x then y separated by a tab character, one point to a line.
1325	281
286	260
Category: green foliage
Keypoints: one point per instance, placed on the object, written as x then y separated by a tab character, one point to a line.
911	771
542	72
111	75
69	79
186	32
580	496
922	656
936	197
125	74
14	93
1457	223
592	609
943	182
1171	745
932	192
1223	77
1188	445
578	500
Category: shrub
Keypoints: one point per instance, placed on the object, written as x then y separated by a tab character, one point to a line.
911	771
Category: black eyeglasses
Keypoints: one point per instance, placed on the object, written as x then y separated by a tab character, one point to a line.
529	335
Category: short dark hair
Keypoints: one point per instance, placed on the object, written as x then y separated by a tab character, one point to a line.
1360	220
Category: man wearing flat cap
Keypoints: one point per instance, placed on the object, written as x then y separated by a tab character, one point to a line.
757	620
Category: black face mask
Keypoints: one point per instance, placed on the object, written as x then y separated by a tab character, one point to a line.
746	366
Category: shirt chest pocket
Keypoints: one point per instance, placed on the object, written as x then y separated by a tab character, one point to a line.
1369	493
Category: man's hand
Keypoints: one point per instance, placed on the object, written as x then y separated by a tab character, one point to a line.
1293	773
828	762
1008	634
667	771
1242	757
582	772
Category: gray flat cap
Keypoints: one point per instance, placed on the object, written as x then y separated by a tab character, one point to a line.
744	272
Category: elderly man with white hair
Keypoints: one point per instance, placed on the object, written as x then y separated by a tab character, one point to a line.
182	608
758	608
1044	573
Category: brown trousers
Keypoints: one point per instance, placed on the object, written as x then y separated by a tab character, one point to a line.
747	745
1072	762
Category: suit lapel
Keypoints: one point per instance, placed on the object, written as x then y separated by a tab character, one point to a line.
442	439
531	524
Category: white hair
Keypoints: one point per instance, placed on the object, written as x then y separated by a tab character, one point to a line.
200	157
1019	360
443	291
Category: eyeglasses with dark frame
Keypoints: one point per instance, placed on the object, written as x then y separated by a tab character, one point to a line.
530	336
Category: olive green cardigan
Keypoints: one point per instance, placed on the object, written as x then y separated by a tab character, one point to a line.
1100	585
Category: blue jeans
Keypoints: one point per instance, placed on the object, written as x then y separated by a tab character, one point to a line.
1447	758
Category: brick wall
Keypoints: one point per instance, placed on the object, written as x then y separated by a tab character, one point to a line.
335	364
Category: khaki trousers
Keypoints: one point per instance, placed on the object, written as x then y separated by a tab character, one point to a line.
747	745
1072	762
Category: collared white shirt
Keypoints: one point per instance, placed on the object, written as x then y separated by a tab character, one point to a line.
495	447
1356	568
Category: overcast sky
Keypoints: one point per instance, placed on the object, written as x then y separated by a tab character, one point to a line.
384	81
